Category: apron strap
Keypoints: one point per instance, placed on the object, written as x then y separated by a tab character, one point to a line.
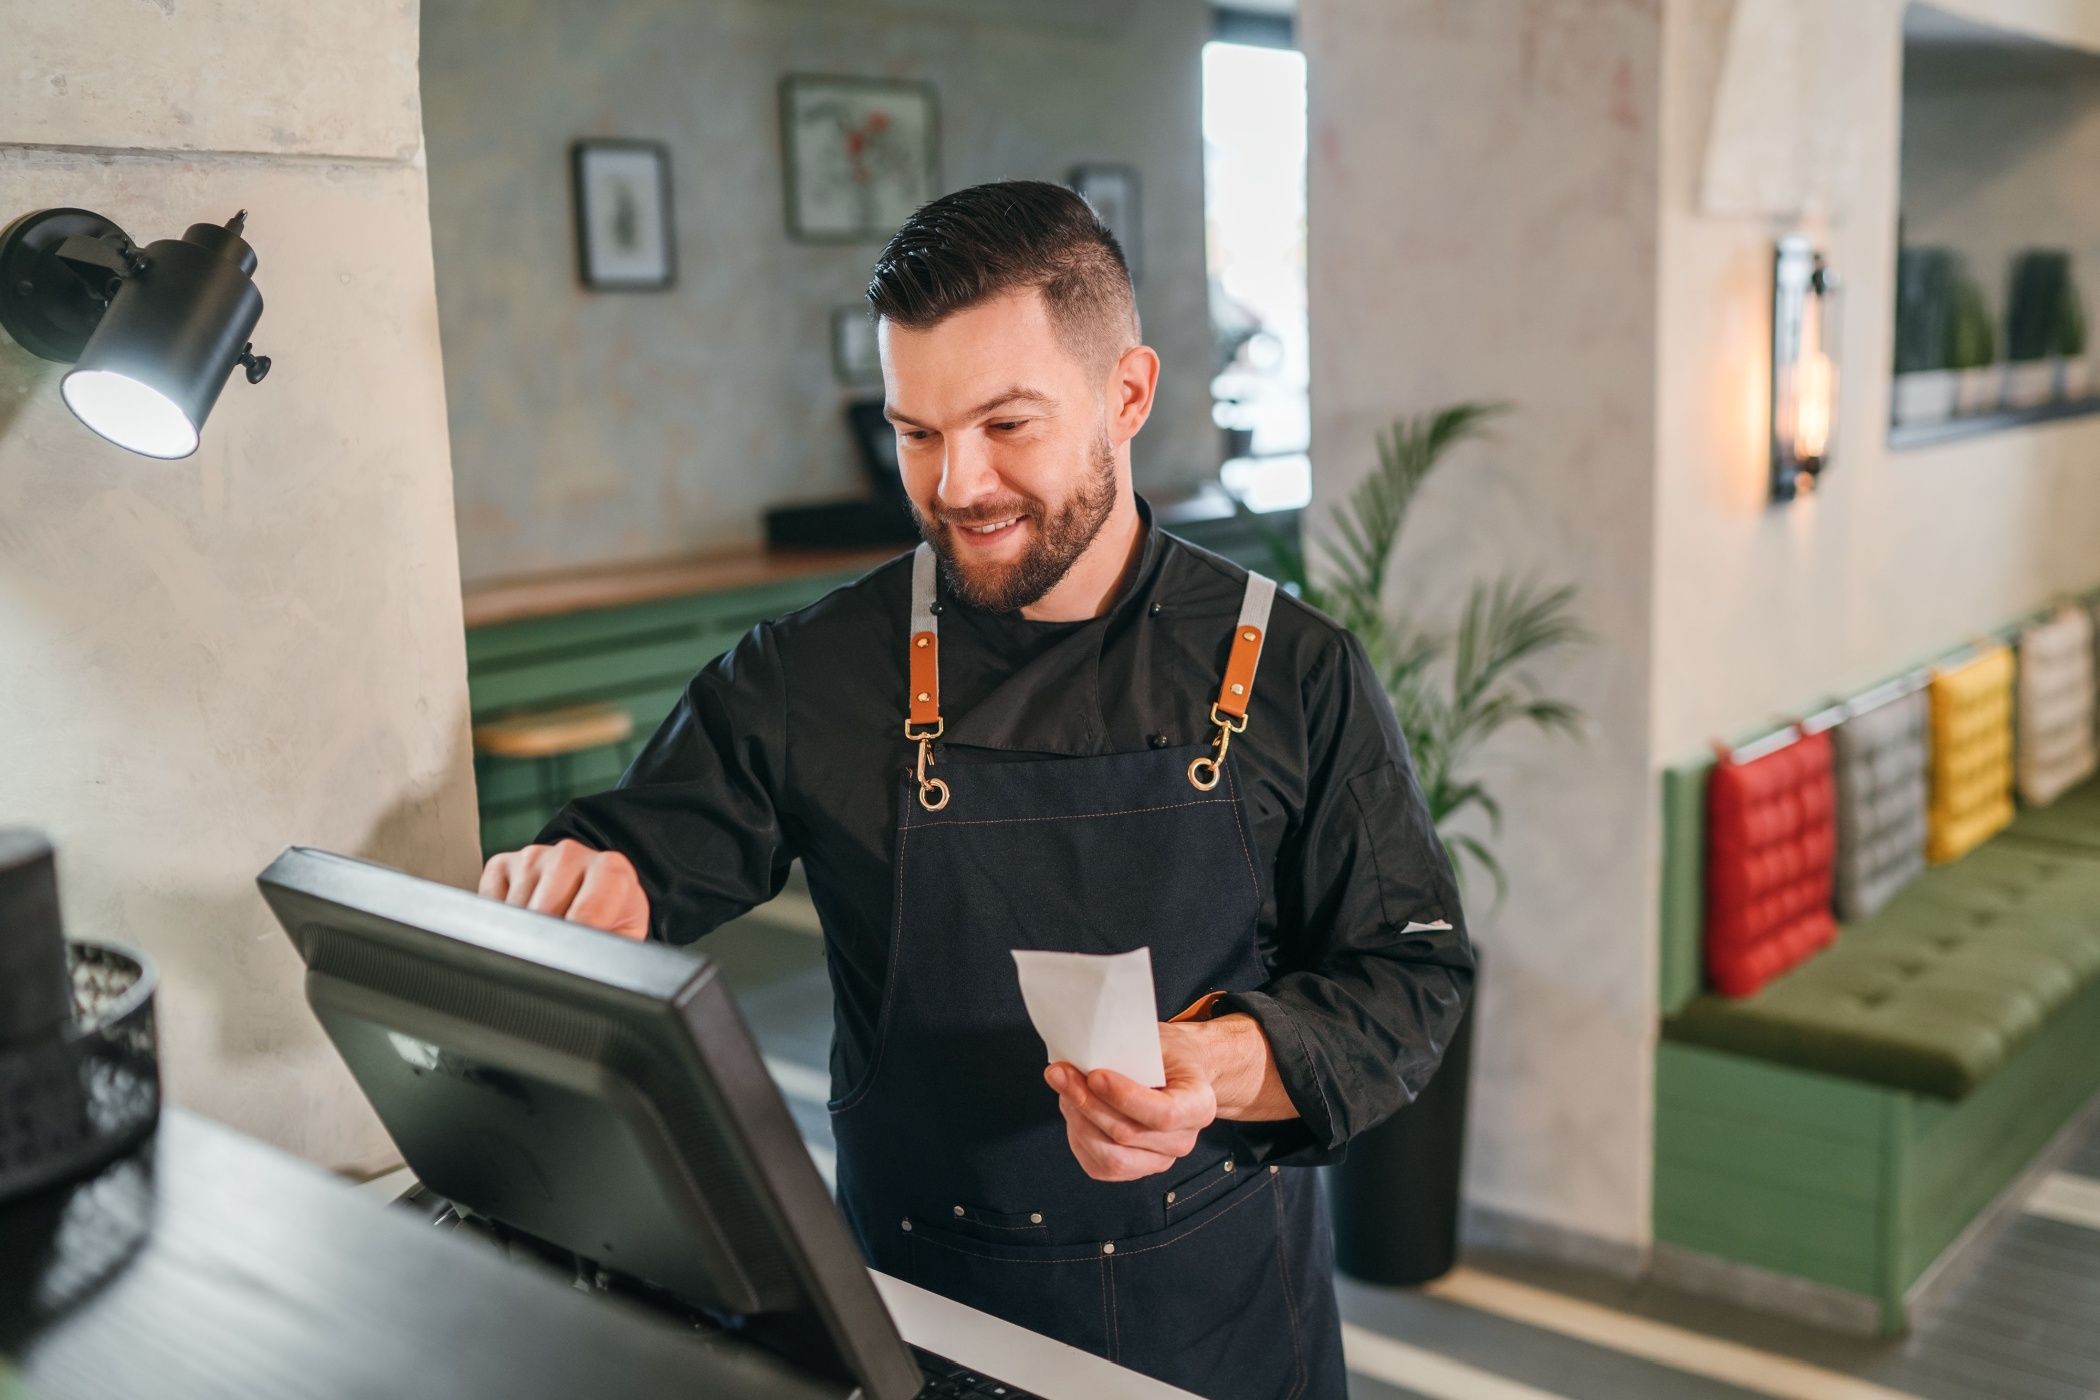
924	659
1238	686
922	719
1229	713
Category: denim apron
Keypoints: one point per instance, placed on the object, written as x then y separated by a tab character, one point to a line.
953	1166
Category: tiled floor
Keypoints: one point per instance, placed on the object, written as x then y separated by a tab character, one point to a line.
2018	1320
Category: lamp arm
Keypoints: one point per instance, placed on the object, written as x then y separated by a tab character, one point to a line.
88	258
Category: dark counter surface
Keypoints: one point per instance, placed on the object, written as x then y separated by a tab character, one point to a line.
214	1266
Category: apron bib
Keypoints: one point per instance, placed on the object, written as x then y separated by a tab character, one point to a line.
953	1165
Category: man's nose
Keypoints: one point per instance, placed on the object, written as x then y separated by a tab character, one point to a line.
966	474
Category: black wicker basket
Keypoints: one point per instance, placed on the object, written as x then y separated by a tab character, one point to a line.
74	1101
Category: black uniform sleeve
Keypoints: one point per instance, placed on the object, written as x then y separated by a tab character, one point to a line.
1374	963
699	809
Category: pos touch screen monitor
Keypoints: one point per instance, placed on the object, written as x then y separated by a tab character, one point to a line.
600	1095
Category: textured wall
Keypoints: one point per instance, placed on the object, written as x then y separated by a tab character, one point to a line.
591	427
1762	611
1482	194
210	659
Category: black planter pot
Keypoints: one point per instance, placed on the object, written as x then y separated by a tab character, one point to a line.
1394	1198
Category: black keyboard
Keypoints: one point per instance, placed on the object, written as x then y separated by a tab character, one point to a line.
945	1378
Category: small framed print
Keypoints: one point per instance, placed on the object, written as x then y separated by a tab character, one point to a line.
1113	191
622	191
862	154
856	355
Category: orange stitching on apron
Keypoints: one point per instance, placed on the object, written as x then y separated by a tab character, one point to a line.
1283	1272
889	976
1083	816
1232	791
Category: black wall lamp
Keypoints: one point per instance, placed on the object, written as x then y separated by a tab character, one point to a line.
1804	367
152	333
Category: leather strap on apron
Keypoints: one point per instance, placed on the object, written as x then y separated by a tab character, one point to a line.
923	723
1229	712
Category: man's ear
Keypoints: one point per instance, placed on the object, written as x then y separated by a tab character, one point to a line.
1132	382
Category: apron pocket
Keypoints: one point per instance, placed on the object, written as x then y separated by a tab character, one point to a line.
1060	1291
1205	1303
999	1226
1193	1193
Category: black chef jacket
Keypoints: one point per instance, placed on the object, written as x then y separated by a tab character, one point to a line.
789	744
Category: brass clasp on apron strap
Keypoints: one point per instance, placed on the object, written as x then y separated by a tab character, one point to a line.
933	793
1204	771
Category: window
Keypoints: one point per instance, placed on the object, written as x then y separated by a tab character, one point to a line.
1254	144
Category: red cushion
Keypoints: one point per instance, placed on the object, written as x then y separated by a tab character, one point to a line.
1771	847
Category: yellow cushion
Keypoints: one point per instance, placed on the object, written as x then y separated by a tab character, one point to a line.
1972	768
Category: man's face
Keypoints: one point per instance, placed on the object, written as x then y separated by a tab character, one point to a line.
999	426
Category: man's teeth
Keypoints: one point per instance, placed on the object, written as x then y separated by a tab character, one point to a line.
995	525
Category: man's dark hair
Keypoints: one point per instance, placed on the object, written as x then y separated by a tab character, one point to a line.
989	240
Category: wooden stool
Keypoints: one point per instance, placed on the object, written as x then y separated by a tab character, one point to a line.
550	738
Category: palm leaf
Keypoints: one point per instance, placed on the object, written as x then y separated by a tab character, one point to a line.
1451	692
1465	844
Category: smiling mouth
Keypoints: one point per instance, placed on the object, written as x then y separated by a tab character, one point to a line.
987	532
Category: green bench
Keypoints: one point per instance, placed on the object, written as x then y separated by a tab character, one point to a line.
1824	1141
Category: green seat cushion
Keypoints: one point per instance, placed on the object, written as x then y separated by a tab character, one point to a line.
2071	820
1937	990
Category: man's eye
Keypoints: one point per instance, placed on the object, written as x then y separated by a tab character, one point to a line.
915	435
1007	427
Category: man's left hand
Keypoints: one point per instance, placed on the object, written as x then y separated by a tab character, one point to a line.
1119	1129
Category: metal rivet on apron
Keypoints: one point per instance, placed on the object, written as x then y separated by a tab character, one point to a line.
1238	689
1156	607
924	642
1035	1218
907	1224
958	1212
934	608
1109	1248
923	697
1228	1164
1248	635
1158	741
1170	1198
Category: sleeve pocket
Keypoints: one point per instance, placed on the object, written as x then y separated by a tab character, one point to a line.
1412	872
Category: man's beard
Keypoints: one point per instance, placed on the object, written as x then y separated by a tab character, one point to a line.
1059	540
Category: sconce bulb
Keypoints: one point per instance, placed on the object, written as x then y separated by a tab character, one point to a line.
1815	382
129	413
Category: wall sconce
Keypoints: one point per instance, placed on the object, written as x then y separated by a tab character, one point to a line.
1804	367
152	333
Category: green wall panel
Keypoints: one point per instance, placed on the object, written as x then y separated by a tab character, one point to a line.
1683	883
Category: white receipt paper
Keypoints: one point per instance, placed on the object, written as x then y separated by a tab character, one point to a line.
1095	1010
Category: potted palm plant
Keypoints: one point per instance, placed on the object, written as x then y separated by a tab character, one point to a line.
1454	688
2073	371
2041	286
1925	380
1972	349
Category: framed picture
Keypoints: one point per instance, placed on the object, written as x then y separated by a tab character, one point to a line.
1113	191
856	356
623	214
862	153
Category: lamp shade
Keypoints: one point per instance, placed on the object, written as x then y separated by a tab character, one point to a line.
150	373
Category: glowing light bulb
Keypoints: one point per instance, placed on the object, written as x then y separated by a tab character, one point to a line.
129	413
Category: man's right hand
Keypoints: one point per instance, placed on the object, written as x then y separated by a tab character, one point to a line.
573	881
